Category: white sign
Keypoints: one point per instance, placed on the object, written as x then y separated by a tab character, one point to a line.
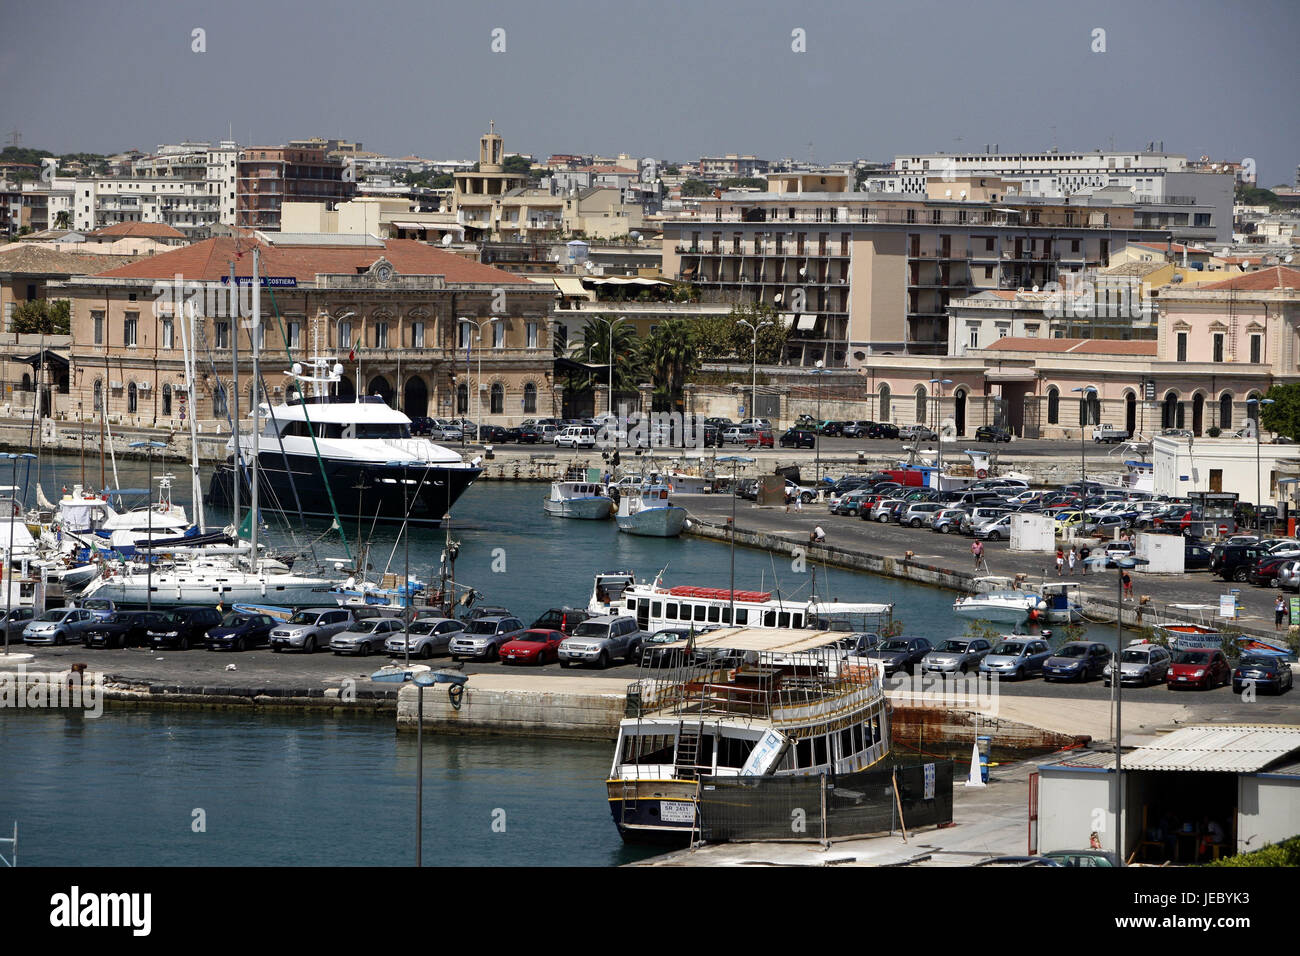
765	754
929	781
1228	606
676	811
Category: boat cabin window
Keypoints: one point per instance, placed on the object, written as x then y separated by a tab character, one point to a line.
769	618
783	619
798	620
610	590
742	616
648	749
714	614
670	611
389	430
733	752
699	612
301	429
656	609
726	614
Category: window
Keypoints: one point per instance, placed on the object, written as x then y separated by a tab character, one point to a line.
498	400
498	335
884	403
129	328
99	396
1053	406
1225	411
1182	352
920	405
219	409
974	336
381	335
166	399
988	243
292	333
1218	348
417	335
531	328
462	399
465	329
530	398
345	335
168	334
98	318
221	335
1256	349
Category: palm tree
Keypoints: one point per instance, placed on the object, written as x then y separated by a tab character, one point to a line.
594	349
671	355
61	219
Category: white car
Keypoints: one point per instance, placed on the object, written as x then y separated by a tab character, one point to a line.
576	436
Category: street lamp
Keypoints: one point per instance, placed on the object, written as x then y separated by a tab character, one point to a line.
819	371
148	564
1084	416
609	341
938	410
1258	403
735	461
478	390
1116	679
753	385
422	676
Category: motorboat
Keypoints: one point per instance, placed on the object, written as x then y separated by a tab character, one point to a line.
589	500
647	511
997	601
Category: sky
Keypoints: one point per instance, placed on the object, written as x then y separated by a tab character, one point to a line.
671	79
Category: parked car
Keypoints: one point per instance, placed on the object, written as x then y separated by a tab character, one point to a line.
483	637
533	646
958	654
529	435
1016	657
992	433
239	631
901	654
1203	667
882	430
917	433
1176	432
1196	557
995	529
63	625
1263	672
918	513
948	520
1108	433
804	494
428	636
735	435
1142	664
101	608
598	640
576	436
856	429
850	503
1235	563
881	510
798	438
1082	857
491	434
15	619
1268	569
184	627
760	438
1288	575
123	629
563	619
310	628
365	636
1077	660
659	649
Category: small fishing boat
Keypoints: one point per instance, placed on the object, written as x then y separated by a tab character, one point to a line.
649	513
390	593
996	601
579	499
1190	635
1062	602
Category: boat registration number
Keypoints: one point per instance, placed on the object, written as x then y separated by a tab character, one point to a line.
676	811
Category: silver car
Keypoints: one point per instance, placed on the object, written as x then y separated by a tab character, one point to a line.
1288	576
365	637
948	520
913	432
1016	657
60	626
429	635
883	507
918	513
483	637
310	628
1142	664
958	654
598	640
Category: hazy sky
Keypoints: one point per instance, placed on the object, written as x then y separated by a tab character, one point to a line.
673	79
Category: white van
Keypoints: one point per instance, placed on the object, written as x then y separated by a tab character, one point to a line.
576	436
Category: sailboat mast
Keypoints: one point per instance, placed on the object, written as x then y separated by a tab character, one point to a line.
233	312
257	427
187	353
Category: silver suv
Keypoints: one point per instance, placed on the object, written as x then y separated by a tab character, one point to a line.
310	628
598	640
918	513
428	635
365	637
483	637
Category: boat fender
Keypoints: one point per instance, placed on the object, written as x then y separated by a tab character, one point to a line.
688	524
1033	615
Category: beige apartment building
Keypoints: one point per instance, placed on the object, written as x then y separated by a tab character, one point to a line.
389	311
858	274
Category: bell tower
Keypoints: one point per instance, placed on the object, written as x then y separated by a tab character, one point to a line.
491	150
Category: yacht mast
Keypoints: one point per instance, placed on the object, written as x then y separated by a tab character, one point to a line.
187	353
234	407
256	329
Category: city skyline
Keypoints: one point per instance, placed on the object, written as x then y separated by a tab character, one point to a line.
755	95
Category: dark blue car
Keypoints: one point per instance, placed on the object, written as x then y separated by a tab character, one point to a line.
1265	671
239	631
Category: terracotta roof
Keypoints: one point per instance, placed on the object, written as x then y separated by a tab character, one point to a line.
138	230
1263	280
209	261
1075	346
38	260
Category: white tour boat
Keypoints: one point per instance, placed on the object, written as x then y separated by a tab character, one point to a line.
579	499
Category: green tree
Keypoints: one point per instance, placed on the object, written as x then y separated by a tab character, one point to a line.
594	349
1283	416
672	171
696	187
61	219
744	182
36	316
671	356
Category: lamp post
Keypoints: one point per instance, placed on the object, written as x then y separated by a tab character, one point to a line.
422	676
1084	416
1258	403
753	384
478	396
1116	680
819	371
148	564
735	460
609	342
938	410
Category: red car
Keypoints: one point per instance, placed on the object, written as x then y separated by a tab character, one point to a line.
761	438
1203	668
534	646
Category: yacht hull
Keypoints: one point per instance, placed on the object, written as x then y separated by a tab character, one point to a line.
590	509
227	588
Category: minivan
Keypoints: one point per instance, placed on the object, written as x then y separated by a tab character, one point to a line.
576	436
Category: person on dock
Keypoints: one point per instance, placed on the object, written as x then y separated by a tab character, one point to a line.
1280	613
977	551
817	535
1073	557
1060	561
1128	586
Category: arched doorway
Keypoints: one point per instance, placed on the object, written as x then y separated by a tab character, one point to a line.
1053	406
167	400
884	403
347	391
1171	411
1130	413
379	386
1225	411
497	399
132	398
920	404
959	410
415	397
1198	414
530	399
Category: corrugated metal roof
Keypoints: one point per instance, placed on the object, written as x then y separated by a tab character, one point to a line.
1242	748
1085	760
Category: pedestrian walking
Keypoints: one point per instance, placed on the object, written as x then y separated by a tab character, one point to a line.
798	503
1060	561
1074	556
977	550
1280	613
787	502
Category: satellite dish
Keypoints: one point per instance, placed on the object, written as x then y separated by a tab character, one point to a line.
1288	258
1224	251
446	239
802	273
777	297
963	194
636	236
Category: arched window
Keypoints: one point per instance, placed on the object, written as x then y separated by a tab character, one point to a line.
167	399
1225	411
1171	411
27	382
884	403
920	405
530	399
1252	407
131	397
99	395
1053	406
219	408
462	399
1089	408
498	399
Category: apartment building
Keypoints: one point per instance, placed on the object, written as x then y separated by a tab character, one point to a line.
390	311
732	166
857	274
269	176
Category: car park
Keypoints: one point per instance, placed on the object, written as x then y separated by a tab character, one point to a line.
1263	672
184	627
1077	660
798	438
310	629
850	503
427	636
599	640
1016	657
63	625
1140	663
533	646
365	637
483	637
1204	668
239	631
901	654
956	655
916	433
